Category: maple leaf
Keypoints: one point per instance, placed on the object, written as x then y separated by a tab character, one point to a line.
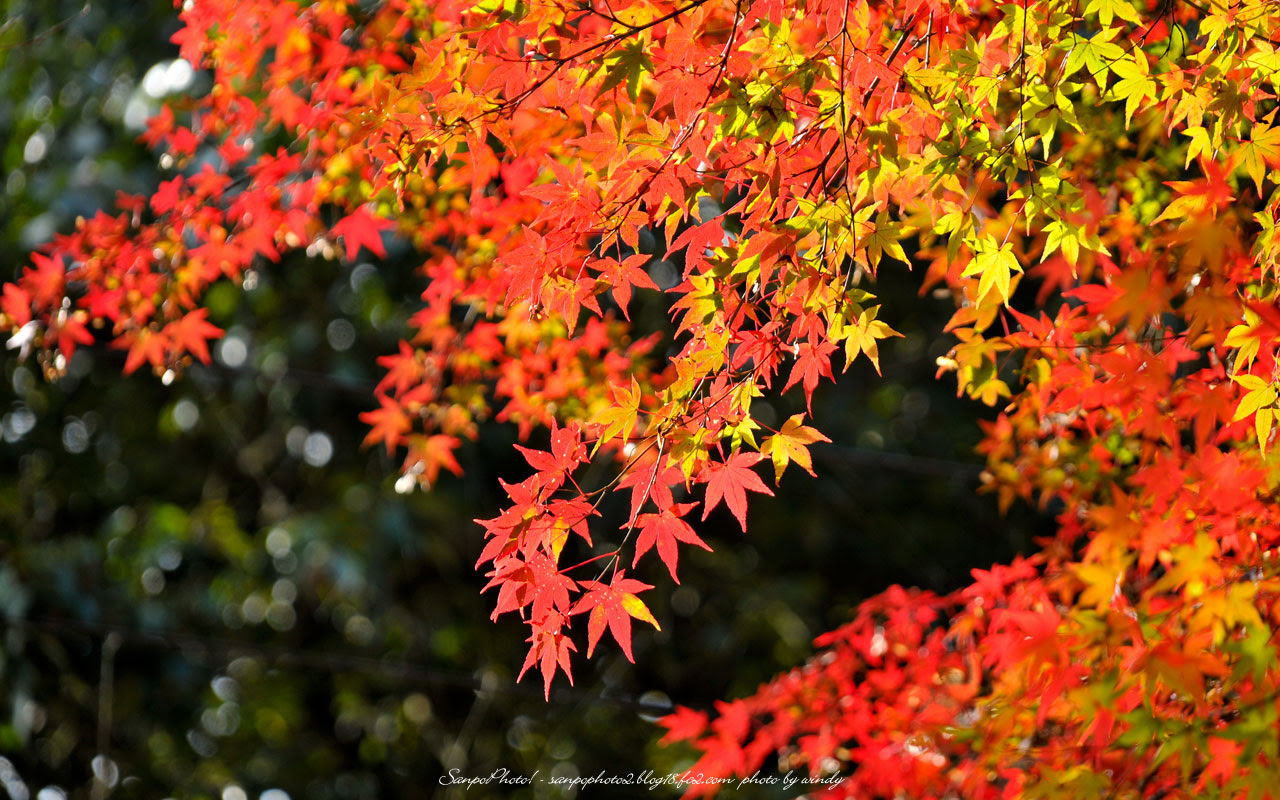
619	418
45	280
1201	144
664	529
649	482
791	443
622	276
1135	83
703	299
167	195
567	452
629	64
1262	150
883	238
1097	54
1224	761
549	648
862	336
159	126
995	264
1107	10
614	605
388	424
683	724
429	454
1069	239
812	364
16	305
404	369
145	346
361	228
1102	581
1259	399
697	241
191	334
69	333
1244	337
1139	298
1211	193
730	481
536	582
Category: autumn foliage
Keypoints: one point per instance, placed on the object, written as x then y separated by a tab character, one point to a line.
1091	181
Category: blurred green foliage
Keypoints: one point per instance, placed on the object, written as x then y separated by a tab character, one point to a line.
209	589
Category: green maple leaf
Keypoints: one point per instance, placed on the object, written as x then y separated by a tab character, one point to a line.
629	64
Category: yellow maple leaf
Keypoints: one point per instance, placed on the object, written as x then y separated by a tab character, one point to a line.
1263	148
618	419
791	443
995	263
1107	10
1135	83
882	238
861	336
1259	394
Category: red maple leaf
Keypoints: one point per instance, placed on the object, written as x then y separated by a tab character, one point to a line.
645	486
16	303
664	529
69	333
434	453
683	724
730	481
567	451
46	279
404	369
191	334
388	424
158	128
537	582
361	227
623	276
145	346
614	605
812	364
167	196
550	648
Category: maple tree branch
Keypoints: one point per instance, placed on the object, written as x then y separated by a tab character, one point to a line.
611	554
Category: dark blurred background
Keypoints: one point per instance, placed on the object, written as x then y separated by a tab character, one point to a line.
210	590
